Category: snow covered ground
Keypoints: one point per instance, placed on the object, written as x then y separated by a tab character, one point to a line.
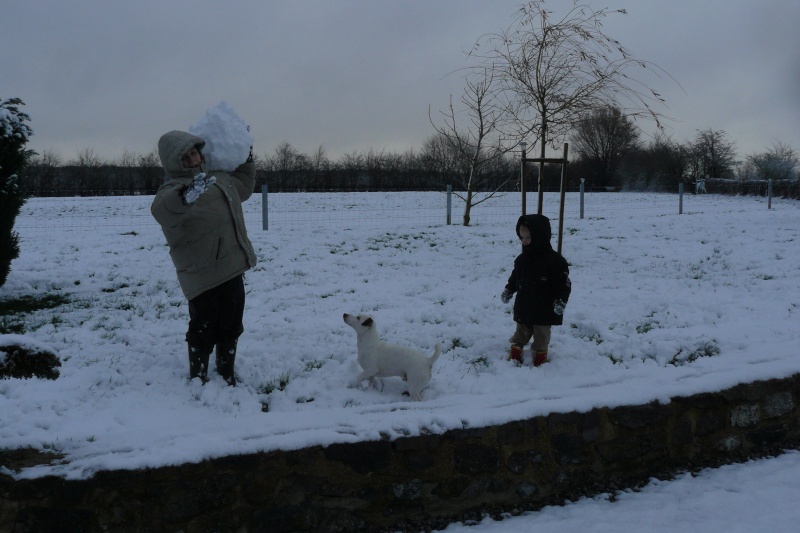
662	305
740	498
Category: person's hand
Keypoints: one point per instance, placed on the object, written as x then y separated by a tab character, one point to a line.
559	306
506	296
200	185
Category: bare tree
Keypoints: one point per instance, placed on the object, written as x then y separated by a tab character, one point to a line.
150	159
86	174
127	159
659	165
286	165
478	143
555	71
713	155
779	162
602	137
150	164
320	166
439	160
123	174
42	173
86	158
48	158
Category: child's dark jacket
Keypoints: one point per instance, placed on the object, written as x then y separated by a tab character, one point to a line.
540	276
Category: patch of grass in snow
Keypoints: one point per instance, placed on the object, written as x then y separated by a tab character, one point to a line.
478	363
314	365
14	310
689	355
9	326
339	249
586	333
162	310
280	384
456	343
684	356
122	304
696	272
402	242
115	289
647	326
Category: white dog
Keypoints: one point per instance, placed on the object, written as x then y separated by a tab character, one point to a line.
381	359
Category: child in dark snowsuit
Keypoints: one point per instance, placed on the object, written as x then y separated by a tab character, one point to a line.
541	281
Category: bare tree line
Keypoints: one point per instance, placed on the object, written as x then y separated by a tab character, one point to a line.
611	153
608	153
286	169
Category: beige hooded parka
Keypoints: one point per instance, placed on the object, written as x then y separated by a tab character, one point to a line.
207	240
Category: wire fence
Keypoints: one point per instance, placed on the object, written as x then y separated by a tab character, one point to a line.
275	211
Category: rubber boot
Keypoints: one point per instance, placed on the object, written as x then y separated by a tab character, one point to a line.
226	356
198	362
515	354
540	358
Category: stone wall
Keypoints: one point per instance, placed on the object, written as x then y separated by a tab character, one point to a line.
418	482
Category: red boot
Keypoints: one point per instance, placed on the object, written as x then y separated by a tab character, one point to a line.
540	358
515	354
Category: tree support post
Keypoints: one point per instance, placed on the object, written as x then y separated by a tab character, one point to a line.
264	208
542	160
522	175
562	198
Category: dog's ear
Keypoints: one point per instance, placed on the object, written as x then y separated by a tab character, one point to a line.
367	323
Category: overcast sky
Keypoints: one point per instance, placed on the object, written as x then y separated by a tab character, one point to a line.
354	75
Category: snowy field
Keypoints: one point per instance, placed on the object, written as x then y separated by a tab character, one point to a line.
662	305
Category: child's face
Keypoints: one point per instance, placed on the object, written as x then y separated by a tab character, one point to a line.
525	235
191	159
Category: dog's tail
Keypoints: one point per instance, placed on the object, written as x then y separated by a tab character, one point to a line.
436	353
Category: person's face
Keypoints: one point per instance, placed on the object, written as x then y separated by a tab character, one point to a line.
525	235
191	159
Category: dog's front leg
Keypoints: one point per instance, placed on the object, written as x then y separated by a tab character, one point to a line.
376	383
366	374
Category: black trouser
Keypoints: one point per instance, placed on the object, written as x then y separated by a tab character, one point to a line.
216	315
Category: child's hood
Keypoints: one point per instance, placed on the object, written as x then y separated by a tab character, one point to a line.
172	146
539	226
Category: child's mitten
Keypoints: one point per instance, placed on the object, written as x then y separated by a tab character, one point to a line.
200	185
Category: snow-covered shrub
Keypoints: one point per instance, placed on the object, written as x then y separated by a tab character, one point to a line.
14	134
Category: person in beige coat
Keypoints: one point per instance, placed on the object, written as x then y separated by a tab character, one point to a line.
200	213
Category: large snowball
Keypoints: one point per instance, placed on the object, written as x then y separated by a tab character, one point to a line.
227	137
